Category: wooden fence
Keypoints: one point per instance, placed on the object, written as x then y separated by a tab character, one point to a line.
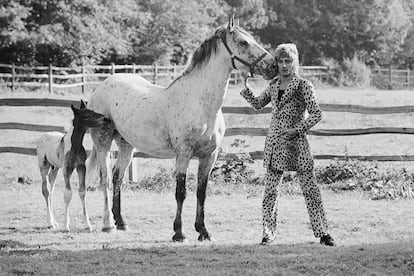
229	131
390	78
247	131
52	77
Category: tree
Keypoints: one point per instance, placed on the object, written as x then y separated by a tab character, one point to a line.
173	28
61	32
338	28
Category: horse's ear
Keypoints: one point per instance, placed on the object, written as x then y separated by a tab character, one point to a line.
74	109
238	23
83	104
230	26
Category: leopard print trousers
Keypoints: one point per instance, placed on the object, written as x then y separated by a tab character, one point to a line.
313	202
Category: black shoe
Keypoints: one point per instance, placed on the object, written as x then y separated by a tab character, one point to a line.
266	241
327	240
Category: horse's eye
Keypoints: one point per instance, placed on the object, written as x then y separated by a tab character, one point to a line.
244	43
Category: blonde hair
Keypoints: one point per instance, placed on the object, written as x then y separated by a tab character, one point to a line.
291	51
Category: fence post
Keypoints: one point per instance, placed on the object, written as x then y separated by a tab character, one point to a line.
13	84
112	68
134	69
50	73
390	77
132	171
408	77
155	73
174	70
83	77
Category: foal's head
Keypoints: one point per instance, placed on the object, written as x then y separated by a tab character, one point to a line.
85	118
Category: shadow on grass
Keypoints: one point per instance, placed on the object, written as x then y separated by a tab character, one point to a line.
395	258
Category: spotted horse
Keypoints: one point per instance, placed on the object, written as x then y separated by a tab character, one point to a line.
183	120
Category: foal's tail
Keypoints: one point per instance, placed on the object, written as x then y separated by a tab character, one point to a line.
92	169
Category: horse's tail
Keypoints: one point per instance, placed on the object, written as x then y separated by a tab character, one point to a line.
92	169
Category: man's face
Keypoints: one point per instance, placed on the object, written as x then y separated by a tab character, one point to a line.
285	66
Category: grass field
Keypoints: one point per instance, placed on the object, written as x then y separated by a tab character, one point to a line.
374	237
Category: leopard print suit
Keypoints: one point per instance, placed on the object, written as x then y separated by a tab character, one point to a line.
281	154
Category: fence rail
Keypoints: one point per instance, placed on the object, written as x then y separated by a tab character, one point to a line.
246	131
245	110
253	155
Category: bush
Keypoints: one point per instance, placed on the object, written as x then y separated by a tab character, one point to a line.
234	170
381	81
352	175
234	174
163	180
350	73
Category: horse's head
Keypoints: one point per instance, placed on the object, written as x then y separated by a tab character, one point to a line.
85	118
245	53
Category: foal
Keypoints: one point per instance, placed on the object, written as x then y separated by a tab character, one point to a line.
56	150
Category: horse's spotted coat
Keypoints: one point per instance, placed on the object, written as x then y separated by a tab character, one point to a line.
183	120
281	154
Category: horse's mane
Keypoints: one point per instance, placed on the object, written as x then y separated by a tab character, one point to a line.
209	47
203	53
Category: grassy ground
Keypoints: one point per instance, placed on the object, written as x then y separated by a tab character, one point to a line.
374	237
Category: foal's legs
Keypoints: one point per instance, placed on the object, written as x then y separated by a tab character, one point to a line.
205	166
118	171
81	170
102	139
67	173
180	193
45	167
52	181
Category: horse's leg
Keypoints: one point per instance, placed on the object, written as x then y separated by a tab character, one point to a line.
205	167
52	181
108	223
81	170
44	167
102	139
67	173
180	193
118	171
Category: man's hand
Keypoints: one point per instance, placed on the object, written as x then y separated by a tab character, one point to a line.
289	133
245	82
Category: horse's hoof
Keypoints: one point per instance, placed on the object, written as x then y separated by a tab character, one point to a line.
53	227
122	227
204	237
178	237
108	229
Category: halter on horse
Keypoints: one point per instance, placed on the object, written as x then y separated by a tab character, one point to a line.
183	120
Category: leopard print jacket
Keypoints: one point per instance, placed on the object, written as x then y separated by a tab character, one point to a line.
279	153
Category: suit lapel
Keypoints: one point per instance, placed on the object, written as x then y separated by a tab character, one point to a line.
289	92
